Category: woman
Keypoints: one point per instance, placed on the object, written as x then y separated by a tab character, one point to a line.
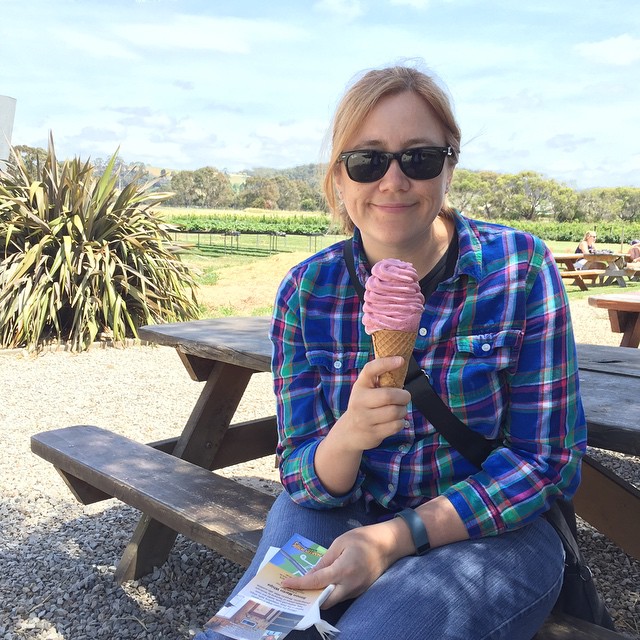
496	340
588	243
586	246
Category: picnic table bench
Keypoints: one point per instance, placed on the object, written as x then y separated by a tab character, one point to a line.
174	482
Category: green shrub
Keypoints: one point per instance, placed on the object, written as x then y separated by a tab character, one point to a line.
78	256
608	232
272	223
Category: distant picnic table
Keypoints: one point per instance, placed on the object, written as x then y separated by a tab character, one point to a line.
608	268
624	314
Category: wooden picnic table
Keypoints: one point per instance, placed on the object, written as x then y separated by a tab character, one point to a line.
609	386
624	314
608	268
613	265
174	483
566	262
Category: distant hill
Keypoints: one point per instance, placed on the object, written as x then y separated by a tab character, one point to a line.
310	173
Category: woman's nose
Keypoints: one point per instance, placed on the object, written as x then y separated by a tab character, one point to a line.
394	178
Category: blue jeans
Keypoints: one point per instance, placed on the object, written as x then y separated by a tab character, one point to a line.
502	587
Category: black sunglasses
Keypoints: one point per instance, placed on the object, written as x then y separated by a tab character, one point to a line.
420	163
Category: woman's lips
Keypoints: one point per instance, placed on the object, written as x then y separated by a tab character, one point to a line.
393	206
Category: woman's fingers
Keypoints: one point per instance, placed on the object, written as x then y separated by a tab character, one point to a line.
376	367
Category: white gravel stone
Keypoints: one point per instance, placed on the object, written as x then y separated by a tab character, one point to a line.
58	557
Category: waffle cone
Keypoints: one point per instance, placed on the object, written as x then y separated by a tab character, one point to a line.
387	342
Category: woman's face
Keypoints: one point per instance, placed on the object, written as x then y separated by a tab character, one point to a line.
396	213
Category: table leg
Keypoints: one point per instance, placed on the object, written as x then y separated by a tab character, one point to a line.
152	541
613	275
628	324
610	504
581	283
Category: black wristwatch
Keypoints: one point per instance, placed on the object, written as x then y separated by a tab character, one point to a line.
417	528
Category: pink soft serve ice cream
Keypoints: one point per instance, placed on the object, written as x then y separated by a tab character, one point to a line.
392	297
393	305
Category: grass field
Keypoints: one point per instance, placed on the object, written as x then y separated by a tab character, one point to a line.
239	276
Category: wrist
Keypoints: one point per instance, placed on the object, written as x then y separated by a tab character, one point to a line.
342	435
393	539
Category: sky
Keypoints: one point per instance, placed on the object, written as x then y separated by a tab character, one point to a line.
551	86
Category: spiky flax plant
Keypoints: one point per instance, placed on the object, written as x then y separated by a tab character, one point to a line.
78	256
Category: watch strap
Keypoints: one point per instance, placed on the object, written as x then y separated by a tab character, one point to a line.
417	529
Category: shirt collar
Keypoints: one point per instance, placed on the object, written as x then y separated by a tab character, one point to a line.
469	251
470	261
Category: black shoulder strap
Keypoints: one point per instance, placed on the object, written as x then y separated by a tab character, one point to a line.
471	444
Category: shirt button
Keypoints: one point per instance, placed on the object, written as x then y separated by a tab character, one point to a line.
337	364
486	347
423	331
390	487
403	448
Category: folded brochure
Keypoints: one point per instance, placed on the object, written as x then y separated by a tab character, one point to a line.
264	609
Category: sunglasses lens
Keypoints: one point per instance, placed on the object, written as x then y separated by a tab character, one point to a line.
422	164
366	166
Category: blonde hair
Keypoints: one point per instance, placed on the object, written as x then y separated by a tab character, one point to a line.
358	102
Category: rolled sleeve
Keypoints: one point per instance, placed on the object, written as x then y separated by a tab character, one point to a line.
545	429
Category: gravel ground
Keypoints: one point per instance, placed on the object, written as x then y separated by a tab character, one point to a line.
57	557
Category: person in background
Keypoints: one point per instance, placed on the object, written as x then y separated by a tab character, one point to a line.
634	251
587	245
471	556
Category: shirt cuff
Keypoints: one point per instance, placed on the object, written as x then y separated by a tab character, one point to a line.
315	490
480	519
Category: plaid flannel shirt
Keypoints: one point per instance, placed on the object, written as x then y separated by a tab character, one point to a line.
496	340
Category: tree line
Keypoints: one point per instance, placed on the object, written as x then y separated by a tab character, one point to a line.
488	195
484	194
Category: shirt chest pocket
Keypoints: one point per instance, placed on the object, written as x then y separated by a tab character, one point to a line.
490	352
477	380
337	373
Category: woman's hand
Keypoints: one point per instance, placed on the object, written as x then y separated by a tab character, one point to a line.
354	561
373	413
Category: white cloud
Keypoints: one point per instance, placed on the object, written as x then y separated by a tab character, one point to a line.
569	143
346	9
416	4
225	35
92	44
622	50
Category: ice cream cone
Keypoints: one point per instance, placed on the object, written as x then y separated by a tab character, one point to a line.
387	342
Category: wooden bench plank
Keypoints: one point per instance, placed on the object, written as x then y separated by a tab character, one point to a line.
579	275
562	627
243	441
610	412
215	511
586	273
